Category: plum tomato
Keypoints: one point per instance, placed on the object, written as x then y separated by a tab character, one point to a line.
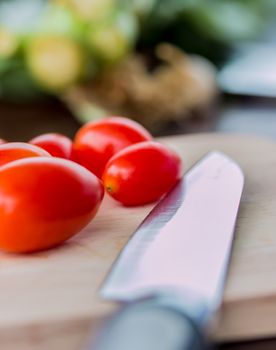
57	145
44	201
16	150
96	142
141	173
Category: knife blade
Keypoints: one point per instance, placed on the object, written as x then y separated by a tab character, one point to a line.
172	271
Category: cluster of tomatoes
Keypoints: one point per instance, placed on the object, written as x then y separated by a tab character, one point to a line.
51	187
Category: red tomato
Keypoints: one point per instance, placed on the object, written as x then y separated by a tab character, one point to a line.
96	142
141	173
16	150
56	144
44	201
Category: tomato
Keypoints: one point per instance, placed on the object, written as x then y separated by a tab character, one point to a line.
16	150
44	201
141	173
96	142
56	144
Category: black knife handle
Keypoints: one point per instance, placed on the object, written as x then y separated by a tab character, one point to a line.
151	325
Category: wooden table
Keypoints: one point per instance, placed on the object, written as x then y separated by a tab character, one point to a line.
19	121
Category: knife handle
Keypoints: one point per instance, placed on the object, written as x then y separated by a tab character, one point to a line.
151	325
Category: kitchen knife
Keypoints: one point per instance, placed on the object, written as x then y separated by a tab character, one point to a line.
171	273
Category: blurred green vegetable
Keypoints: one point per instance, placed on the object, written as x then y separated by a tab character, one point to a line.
16	82
53	45
59	42
207	27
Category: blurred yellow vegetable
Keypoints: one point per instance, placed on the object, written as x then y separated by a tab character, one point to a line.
55	62
109	43
8	43
90	10
113	39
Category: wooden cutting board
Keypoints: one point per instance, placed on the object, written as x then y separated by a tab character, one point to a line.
50	300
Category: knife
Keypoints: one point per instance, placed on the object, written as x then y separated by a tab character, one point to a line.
171	273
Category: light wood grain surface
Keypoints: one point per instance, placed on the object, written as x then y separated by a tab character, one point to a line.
50	300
